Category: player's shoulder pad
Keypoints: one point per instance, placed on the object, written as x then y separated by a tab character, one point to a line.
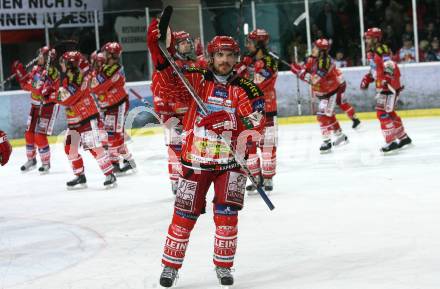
53	73
382	50
324	63
110	70
271	62
252	90
207	74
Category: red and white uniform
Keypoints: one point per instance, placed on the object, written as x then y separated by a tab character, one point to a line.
264	73
5	148
328	85
109	86
84	127
236	110
172	109
43	113
385	73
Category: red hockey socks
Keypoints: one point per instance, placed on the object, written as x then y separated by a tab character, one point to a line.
177	241
225	241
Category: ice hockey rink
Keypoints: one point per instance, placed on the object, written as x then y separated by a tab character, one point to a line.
352	219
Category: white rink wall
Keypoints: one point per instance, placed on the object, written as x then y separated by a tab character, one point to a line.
422	90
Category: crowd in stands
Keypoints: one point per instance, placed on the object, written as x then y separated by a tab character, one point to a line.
339	21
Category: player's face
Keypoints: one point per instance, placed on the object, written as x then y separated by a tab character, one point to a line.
184	47
250	46
224	61
369	41
40	60
315	51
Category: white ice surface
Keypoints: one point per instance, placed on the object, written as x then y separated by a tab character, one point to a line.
351	219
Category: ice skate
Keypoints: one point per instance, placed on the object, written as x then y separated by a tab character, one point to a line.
326	147
268	185
405	142
44	169
110	181
168	277
129	166
356	123
224	276
388	148
79	182
117	169
341	139
29	165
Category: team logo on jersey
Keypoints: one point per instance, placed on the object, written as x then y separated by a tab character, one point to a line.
215	100
258	105
235	190
185	196
220	92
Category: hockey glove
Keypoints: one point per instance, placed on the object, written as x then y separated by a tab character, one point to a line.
219	121
366	80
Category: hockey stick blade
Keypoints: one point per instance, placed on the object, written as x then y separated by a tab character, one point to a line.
164	22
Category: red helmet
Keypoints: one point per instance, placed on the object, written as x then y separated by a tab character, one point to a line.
179	36
45	50
97	57
112	48
259	35
373	32
322	44
223	43
73	57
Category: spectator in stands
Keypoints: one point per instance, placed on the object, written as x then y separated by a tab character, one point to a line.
433	53
407	53
390	38
328	22
429	32
340	60
408	32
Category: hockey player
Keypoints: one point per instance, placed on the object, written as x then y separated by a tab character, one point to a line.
82	120
386	75
172	110
41	119
262	69
5	148
234	107
328	86
108	85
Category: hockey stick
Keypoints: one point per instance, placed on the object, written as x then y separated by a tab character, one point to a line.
149	107
29	64
163	26
298	93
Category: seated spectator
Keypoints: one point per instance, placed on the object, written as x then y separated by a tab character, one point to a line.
407	53
433	53
390	38
429	32
340	60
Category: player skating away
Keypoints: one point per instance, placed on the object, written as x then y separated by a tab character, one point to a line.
84	128
5	148
328	85
172	109
41	119
386	74
235	107
108	84
262	69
